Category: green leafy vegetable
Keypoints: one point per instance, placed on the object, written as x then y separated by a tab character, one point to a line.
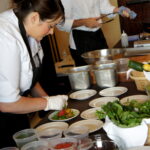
128	115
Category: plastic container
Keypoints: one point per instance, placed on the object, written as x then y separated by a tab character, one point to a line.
63	144
122	64
25	136
122	77
85	144
49	134
78	132
81	133
9	148
36	145
124	40
122	67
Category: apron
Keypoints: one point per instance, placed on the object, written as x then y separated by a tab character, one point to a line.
11	123
86	41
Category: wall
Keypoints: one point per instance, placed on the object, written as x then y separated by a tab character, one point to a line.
4	4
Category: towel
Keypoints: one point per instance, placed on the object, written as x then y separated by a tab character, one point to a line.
131	137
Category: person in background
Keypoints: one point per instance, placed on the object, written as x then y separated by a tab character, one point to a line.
21	30
83	21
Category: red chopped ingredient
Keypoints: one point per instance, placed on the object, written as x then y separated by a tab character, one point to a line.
61	113
63	145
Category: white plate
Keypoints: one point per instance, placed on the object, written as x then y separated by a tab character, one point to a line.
140	148
98	102
90	113
75	111
92	124
83	94
139	98
113	91
53	125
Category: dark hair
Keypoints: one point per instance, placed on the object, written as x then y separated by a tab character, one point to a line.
47	9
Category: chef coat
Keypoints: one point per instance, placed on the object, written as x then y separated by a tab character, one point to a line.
80	9
15	66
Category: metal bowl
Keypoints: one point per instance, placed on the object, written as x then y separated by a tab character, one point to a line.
79	77
105	75
102	55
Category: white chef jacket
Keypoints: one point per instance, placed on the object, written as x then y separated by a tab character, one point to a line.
15	66
79	9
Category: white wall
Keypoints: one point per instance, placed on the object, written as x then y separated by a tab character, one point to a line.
4	4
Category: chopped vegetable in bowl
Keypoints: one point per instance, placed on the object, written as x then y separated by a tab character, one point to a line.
63	114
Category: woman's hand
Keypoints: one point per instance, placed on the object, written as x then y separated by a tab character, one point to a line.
56	102
88	22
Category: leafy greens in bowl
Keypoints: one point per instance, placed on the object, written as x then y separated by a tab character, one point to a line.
125	116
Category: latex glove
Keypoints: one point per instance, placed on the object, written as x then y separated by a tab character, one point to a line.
56	102
126	12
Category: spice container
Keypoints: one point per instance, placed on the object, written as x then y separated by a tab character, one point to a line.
122	67
63	144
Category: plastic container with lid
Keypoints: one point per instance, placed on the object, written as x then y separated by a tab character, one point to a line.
124	40
63	144
25	136
78	132
36	145
49	134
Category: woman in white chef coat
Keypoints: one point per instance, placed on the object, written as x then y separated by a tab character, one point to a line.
82	20
21	30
